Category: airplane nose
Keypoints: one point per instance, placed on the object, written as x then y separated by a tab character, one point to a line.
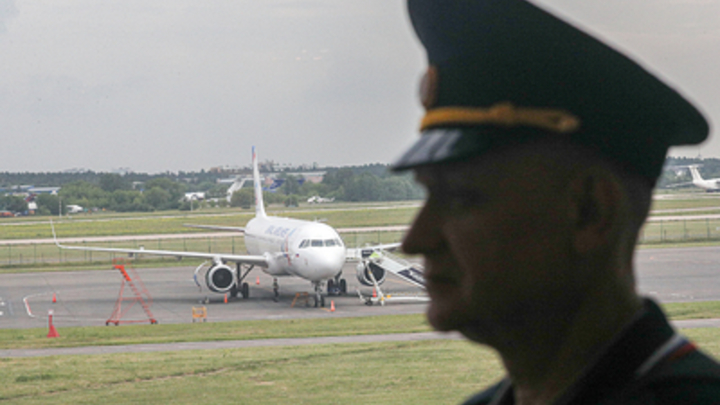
330	262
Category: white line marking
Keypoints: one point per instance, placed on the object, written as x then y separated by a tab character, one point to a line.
27	304
27	307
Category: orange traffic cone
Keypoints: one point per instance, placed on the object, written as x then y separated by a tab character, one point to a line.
332	306
54	299
257	280
374	293
226	298
52	332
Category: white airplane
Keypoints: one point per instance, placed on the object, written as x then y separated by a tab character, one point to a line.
281	247
316	199
74	209
698	181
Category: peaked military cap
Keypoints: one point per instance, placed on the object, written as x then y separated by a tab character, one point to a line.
504	71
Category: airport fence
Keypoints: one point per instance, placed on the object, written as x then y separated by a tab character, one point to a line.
680	231
47	254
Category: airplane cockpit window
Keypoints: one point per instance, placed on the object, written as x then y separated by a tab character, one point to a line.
339	242
330	242
304	244
316	243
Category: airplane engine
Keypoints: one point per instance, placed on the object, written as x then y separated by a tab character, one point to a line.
363	273
220	278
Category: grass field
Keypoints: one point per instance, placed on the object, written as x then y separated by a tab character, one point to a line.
684	231
428	372
172	221
424	372
684	200
36	338
47	257
266	329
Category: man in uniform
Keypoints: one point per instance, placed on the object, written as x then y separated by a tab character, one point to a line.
540	148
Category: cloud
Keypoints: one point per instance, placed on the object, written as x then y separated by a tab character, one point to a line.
7	11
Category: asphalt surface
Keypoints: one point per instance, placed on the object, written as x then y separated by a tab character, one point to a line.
228	344
87	298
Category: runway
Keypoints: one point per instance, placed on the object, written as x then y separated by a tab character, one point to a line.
87	298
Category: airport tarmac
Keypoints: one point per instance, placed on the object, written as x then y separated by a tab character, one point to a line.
87	298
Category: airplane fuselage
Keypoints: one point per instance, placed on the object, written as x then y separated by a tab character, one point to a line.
309	250
698	181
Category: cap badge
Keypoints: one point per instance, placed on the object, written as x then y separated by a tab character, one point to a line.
429	87
503	114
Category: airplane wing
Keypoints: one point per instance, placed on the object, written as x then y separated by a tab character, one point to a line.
363	252
217	228
689	183
261	261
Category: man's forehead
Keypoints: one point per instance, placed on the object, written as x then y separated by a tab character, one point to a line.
537	158
462	173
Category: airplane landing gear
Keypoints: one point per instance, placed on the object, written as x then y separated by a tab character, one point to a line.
337	286
343	286
276	290
244	287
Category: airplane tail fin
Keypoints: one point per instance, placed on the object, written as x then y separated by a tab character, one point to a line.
259	204
695	173
237	185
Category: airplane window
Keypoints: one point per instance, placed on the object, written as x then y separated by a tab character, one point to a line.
339	242
330	242
304	244
316	243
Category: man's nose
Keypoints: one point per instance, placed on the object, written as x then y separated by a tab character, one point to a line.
423	234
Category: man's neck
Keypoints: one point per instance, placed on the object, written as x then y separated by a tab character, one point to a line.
547	356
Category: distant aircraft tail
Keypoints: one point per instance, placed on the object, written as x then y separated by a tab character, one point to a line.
237	185
259	205
695	173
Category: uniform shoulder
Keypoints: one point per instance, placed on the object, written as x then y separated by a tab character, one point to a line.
693	379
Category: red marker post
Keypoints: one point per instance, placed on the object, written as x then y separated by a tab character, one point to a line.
52	333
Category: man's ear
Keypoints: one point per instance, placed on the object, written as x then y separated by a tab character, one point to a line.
596	200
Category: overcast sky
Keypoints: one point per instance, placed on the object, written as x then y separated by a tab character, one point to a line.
182	85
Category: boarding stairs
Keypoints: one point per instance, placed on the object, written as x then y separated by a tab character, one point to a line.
401	268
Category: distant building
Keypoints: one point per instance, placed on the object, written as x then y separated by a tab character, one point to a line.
43	190
194	196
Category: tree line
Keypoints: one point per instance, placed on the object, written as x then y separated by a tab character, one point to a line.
142	192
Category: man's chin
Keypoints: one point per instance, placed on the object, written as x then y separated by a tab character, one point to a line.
442	319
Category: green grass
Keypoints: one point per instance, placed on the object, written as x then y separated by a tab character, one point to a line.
684	231
262	329
241	330
173	221
48	257
692	310
694	200
427	372
424	372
